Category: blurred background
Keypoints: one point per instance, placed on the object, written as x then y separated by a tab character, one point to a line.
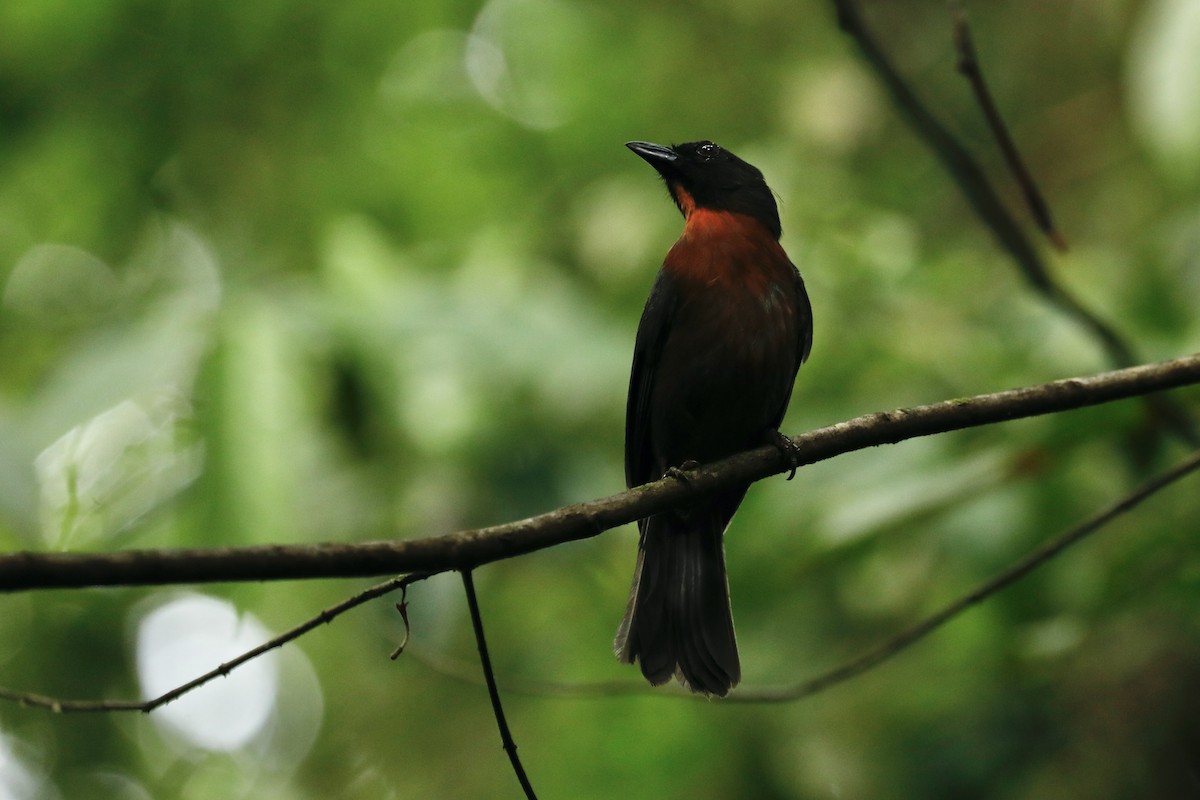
297	272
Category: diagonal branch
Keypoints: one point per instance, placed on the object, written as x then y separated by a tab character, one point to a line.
968	65
461	671
955	158
146	706
467	549
977	189
906	638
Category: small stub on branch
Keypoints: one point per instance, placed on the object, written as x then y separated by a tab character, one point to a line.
402	607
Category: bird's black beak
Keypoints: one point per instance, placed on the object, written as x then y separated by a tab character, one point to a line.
655	155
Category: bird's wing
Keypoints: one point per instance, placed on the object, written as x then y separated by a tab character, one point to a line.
647	350
804	308
804	334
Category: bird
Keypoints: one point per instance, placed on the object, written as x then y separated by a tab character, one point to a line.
723	334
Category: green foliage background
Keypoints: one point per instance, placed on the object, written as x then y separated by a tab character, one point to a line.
292	272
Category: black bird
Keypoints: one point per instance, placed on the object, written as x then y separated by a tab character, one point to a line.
725	329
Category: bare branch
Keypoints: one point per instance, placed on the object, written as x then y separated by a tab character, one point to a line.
983	198
1003	580
463	671
965	170
460	671
825	443
968	65
506	739
467	549
146	706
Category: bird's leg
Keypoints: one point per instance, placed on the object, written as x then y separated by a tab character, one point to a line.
788	449
680	473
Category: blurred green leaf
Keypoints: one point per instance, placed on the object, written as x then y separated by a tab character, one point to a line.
279	273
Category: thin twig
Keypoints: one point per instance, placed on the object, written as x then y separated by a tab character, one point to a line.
1003	580
976	187
968	65
467	549
463	671
452	668
961	165
506	739
446	666
402	608
59	706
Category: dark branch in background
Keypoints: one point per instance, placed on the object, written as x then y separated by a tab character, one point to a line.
969	175
968	65
983	198
468	549
424	557
462	671
146	706
459	670
1003	580
506	739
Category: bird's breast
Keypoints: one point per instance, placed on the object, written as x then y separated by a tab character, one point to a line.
737	287
731	353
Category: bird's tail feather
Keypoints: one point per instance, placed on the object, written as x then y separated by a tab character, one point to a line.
679	621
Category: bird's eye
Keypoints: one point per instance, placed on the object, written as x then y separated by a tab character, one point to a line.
707	150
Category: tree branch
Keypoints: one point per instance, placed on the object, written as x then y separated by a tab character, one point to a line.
146	706
458	670
968	65
467	549
461	671
954	157
978	190
906	638
485	661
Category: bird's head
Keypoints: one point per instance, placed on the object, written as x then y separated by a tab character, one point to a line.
703	175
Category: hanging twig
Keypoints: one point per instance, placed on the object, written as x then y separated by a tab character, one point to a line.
402	608
146	706
506	739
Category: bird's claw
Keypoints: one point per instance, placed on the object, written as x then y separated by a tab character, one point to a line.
680	473
788	449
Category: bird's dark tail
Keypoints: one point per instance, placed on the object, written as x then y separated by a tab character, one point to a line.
678	621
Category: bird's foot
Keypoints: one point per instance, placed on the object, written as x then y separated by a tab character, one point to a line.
788	449
680	473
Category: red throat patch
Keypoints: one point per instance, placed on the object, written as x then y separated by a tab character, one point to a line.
687	203
729	248
722	227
